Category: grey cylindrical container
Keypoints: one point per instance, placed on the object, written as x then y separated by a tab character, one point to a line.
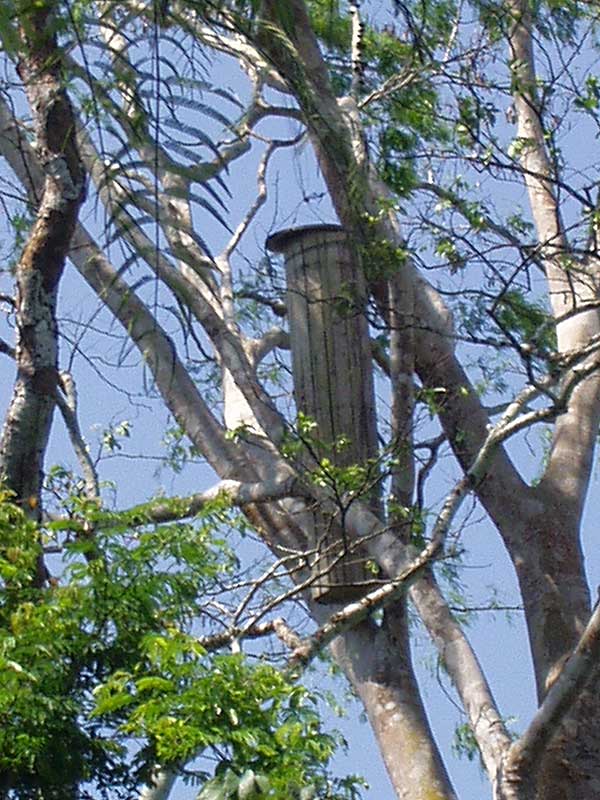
333	380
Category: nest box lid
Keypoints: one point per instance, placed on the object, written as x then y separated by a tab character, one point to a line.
280	241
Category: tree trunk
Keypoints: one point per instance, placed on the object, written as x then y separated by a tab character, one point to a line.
38	272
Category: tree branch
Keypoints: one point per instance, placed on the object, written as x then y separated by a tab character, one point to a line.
463	417
525	755
67	405
7	350
274	338
571	284
174	383
461	663
234	493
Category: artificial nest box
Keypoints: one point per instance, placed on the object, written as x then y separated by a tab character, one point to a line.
333	380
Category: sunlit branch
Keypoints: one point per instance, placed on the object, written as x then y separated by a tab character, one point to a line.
235	45
224	259
179	392
274	338
261	193
359	610
278	626
225	492
534	157
394	84
115	198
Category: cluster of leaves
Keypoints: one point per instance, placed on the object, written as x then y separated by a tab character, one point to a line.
331	467
407	115
102	676
526	320
264	728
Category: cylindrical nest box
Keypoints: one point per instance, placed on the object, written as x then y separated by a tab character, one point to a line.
333	381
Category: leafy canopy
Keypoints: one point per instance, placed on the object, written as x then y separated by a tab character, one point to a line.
103	669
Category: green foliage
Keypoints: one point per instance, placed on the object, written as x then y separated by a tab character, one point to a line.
186	701
114	433
179	451
472	115
410	117
330	460
353	478
58	644
465	743
404	117
447	249
411	519
383	258
105	656
589	98
332	27
525	320
433	398
8	34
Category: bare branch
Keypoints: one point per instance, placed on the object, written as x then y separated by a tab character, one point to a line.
534	156
7	349
273	338
249	56
67	405
461	663
359	610
278	307
394	84
203	303
261	194
256	631
461	205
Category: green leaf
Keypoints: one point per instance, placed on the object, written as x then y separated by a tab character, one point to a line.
154	683
112	702
8	34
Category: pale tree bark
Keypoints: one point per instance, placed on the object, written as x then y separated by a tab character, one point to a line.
435	360
551	568
572	281
377	662
345	182
28	420
535	750
393	684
